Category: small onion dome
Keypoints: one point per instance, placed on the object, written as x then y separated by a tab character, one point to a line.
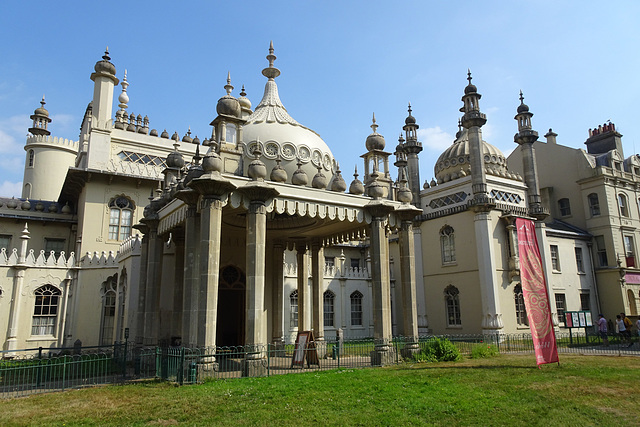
278	173
243	100
404	194
26	205
154	132
187	137
410	120
471	88
53	207
105	66
164	134
195	171
522	108
299	176
40	206
375	189
319	180
228	106
196	140
41	111
356	186
338	185
12	204
175	137
175	158
211	162
66	209
375	141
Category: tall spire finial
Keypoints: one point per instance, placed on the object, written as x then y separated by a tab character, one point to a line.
124	98
374	126
228	87
242	92
521	97
271	72
469	75
409	108
42	102
106	54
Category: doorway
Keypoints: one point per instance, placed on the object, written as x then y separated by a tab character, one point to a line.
231	307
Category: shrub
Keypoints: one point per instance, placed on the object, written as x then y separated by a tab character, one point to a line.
439	350
482	351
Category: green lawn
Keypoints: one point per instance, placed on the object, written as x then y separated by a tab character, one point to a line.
505	390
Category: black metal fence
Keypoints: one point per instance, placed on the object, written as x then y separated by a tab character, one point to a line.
41	370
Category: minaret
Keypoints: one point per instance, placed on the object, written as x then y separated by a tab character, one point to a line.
525	137
473	120
105	80
40	119
123	100
412	147
374	157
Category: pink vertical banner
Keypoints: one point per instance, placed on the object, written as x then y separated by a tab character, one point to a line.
534	291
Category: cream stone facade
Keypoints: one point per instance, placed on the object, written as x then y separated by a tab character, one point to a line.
253	234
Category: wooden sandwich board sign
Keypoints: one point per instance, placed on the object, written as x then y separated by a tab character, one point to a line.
305	348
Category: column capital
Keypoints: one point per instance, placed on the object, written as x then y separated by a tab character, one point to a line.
189	196
258	191
407	212
379	209
213	186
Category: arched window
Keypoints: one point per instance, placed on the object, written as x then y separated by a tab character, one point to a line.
594	204
45	311
109	301
329	299
293	312
31	158
120	218
521	310
452	301
633	308
447	245
622	204
564	206
356	308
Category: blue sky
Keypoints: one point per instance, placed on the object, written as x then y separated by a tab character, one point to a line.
576	63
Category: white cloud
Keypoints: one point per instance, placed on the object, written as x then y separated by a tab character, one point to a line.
435	138
8	189
13	131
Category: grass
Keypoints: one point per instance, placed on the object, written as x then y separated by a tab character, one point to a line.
503	390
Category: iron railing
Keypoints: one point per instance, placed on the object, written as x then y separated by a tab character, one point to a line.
28	371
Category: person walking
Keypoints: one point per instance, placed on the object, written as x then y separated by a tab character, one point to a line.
602	329
622	330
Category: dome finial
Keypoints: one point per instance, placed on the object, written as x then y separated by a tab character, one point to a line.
469	75
106	54
42	102
242	92
124	97
374	126
271	72
521	97
409	109
228	87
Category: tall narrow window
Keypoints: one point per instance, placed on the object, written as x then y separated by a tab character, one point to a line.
622	204
585	301
356	308
293	311
565	207
561	306
594	204
230	137
447	245
108	317
579	260
32	157
120	218
329	261
601	252
45	312
521	311
629	251
452	301
555	258
329	314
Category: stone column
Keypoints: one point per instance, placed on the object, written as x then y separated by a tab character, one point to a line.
317	278
277	331
491	316
303	283
258	194
154	276
142	290
408	278
18	281
191	275
382	333
178	290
